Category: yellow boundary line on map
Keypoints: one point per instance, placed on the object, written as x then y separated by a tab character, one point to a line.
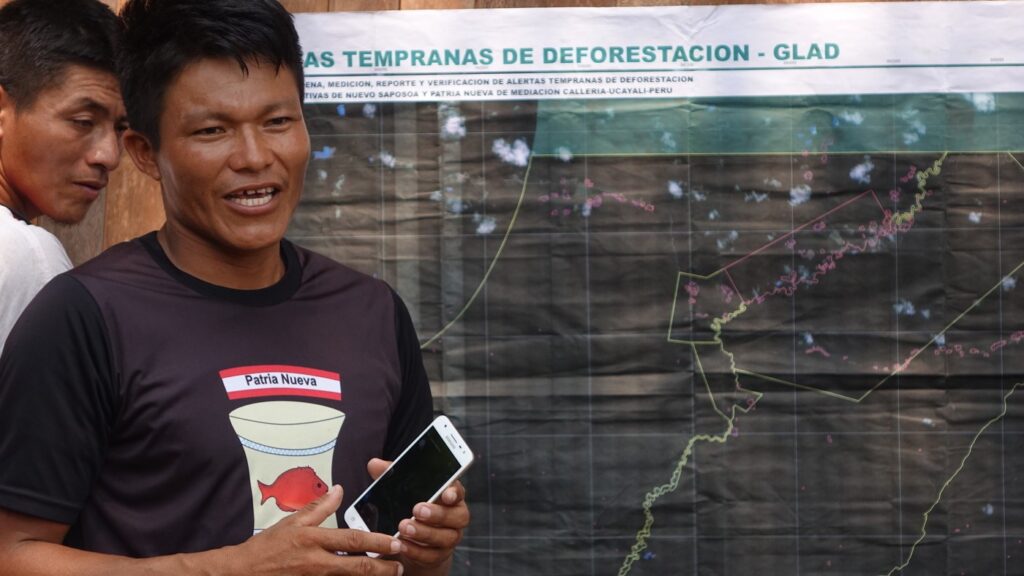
963	462
716	327
493	264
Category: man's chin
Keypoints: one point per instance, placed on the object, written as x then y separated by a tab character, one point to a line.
69	215
253	245
254	238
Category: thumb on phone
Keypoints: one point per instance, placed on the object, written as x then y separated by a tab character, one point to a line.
376	467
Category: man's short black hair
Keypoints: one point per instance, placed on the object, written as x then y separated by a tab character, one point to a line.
39	39
162	37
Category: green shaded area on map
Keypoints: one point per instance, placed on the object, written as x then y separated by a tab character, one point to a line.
872	124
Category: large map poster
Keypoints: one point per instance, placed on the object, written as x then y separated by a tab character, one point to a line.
709	290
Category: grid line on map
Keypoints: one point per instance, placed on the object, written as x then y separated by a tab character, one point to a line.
793	360
693	363
487	357
590	373
1002	333
896	358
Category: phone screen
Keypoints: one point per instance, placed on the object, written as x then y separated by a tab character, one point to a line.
414	478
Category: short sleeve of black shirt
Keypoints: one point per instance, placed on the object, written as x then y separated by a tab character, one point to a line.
414	410
58	401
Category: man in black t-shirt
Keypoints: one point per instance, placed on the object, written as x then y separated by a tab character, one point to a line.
183	403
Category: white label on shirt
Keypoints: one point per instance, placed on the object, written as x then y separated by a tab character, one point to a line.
279	380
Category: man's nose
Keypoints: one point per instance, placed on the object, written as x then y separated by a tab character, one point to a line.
106	151
251	152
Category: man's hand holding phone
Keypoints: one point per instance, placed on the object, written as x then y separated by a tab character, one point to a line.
298	545
429	538
419	499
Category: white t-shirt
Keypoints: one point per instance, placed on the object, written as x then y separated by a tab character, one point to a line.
29	257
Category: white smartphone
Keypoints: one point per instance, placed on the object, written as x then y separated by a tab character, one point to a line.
431	463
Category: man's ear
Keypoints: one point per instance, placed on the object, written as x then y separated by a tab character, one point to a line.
142	153
6	109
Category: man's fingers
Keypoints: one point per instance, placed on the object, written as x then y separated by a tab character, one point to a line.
453	494
429	536
357	541
426	555
443	515
376	467
364	566
314	513
426	545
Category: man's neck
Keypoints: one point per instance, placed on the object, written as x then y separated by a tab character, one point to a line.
16	214
11	201
240	271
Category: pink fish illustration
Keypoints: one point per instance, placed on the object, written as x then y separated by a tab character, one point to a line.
293	489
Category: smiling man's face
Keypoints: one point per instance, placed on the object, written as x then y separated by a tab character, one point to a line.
56	153
232	156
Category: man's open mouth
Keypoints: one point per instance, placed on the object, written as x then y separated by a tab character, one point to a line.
253	198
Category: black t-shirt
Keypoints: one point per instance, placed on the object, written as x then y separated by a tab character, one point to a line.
156	413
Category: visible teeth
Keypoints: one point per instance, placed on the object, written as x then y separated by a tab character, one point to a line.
258	191
253	198
254	201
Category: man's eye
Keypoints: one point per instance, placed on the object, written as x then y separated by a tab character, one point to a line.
208	131
82	122
280	121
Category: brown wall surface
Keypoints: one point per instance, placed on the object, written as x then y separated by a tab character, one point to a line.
131	204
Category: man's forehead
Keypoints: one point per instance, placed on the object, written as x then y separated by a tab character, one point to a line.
228	111
215	86
90	104
229	69
77	84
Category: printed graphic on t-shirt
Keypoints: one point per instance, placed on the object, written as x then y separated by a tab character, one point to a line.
288	444
293	489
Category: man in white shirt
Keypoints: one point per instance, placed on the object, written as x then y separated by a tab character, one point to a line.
61	118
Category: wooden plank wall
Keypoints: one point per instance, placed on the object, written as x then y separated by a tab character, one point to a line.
131	205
